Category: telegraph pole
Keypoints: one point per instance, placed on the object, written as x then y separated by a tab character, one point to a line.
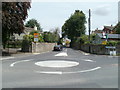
89	26
89	23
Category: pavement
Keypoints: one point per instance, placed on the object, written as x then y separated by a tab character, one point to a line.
60	69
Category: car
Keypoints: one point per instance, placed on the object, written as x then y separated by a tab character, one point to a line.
58	48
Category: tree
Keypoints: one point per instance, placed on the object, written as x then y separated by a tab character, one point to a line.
56	35
33	22
13	17
117	30
75	26
52	35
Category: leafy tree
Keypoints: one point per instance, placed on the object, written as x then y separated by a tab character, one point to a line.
118	28
33	31
75	25
51	36
56	35
32	22
13	17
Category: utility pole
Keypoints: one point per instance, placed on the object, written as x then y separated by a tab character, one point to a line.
89	26
89	23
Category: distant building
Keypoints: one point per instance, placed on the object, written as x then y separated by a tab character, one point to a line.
26	31
99	38
108	29
97	31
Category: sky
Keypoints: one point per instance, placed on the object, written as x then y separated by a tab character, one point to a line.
52	14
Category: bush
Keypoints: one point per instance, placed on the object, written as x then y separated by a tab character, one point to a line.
30	37
14	44
112	43
34	31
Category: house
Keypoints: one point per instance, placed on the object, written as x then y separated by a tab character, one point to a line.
108	29
99	38
26	31
97	31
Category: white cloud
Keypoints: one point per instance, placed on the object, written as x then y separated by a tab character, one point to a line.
102	10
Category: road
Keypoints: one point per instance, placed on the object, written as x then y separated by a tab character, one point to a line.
60	69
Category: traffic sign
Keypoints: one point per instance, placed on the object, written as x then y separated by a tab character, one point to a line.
36	35
35	39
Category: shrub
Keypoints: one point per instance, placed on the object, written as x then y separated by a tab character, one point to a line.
112	43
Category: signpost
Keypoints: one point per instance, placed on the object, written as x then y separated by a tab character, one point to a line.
36	35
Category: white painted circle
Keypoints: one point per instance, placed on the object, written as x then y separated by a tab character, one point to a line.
57	64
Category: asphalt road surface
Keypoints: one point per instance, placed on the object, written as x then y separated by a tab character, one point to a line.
60	69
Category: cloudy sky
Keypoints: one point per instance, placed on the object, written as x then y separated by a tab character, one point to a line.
54	14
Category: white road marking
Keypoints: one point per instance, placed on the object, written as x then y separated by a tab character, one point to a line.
64	53
89	70
57	63
88	60
61	54
49	72
12	65
60	72
41	53
5	58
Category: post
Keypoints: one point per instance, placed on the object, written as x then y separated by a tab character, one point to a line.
89	26
89	23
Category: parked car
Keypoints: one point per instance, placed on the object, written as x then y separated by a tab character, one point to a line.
58	48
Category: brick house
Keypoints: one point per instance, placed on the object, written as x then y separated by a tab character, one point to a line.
108	29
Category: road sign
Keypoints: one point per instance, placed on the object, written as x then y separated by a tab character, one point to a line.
36	35
35	39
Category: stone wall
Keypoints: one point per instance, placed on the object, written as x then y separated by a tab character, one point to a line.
38	47
42	47
95	49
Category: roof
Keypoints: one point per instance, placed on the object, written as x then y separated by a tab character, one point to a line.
109	27
112	36
28	29
97	31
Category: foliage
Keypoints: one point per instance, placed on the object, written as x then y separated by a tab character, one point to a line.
30	37
34	31
92	37
84	39
14	44
113	43
13	17
33	22
50	37
118	28
75	25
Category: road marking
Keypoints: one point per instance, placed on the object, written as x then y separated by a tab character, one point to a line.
41	53
49	72
12	65
88	60
64	53
60	72
86	54
7	58
61	54
57	63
